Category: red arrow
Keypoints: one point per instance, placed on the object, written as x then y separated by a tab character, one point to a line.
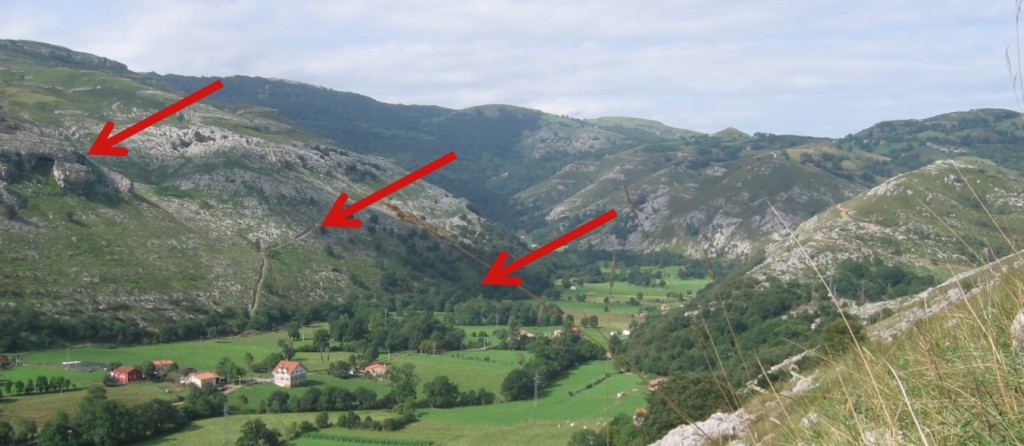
105	143
499	275
340	216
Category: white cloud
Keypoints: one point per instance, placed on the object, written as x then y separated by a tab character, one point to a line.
823	68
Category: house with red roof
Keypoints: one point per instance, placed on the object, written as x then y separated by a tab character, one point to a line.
289	373
127	374
199	379
162	363
376	369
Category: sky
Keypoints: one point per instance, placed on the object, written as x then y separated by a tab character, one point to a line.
820	68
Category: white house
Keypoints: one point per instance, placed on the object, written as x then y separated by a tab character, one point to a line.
289	374
198	379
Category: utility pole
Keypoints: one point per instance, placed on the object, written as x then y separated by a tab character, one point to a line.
225	422
536	387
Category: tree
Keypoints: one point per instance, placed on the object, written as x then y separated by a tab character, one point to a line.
256	433
309	401
156	416
835	337
293	330
586	437
148	369
6	433
403	381
24	431
323	420
698	395
248	360
19	387
60	432
518	385
229	370
321	339
30	386
106	422
349	420
287	350
277	401
441	392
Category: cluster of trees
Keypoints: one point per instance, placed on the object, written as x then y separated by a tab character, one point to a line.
737	322
441	392
255	432
480	311
695	395
100	421
330	398
371	333
352	420
552	357
41	384
403	394
872	280
19	432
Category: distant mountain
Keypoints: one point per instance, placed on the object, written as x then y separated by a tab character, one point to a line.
214	208
947	217
540	173
256	165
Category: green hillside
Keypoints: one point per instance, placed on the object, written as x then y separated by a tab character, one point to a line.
215	210
944	218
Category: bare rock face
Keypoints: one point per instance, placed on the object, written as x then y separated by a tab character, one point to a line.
74	177
8	196
718	427
1017	331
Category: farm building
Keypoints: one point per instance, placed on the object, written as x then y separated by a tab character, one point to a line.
376	369
126	374
162	363
653	384
199	379
524	334
289	374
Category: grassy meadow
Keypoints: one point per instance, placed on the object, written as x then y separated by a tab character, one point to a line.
548	422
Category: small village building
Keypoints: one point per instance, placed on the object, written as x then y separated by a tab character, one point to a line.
665	308
524	334
127	374
289	374
162	364
199	379
656	382
376	370
640	415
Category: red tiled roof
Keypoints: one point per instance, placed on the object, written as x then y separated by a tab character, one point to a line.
290	366
162	363
205	376
375	366
123	370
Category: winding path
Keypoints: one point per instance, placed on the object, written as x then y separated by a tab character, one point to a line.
843	211
265	265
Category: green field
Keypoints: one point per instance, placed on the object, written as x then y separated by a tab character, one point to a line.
550	422
255	393
203	355
622	291
40	408
469	372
